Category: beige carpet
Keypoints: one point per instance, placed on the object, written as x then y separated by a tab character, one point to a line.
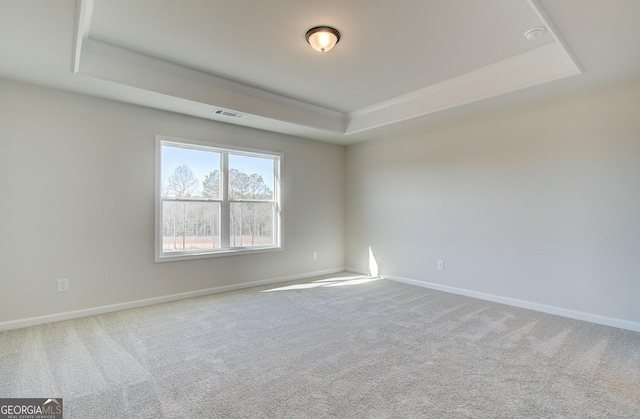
335	347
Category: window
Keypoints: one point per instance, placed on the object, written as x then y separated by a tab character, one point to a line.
215	200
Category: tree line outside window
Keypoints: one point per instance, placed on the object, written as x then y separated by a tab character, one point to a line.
219	209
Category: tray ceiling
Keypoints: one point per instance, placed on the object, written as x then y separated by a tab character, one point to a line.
396	62
387	49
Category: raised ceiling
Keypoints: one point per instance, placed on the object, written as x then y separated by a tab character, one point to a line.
396	61
385	52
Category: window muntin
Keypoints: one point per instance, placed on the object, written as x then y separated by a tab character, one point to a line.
215	200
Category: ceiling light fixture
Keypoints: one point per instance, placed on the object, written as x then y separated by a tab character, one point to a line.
533	34
322	38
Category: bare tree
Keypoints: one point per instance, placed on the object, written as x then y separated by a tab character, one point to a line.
246	217
211	189
181	183
238	189
257	190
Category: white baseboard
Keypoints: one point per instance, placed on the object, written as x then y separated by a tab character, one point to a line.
68	315
564	312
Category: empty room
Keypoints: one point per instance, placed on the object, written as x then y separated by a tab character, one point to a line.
304	209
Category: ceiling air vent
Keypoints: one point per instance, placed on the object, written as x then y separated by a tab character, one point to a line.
229	114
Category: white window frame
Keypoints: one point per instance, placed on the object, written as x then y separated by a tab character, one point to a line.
225	203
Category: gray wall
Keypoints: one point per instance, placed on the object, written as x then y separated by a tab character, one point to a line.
540	203
77	185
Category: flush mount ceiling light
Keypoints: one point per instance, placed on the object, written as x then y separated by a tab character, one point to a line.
533	34
322	38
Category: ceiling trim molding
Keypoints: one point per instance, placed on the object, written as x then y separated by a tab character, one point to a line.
206	92
84	10
544	17
112	63
543	64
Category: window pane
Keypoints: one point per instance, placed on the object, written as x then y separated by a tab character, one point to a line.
250	177
251	224
190	226
201	183
189	172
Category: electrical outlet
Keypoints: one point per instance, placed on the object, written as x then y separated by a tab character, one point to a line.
440	265
63	285
315	255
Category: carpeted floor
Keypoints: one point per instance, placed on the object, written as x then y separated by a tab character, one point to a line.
339	346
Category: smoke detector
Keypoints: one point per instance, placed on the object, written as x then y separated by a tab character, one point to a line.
533	34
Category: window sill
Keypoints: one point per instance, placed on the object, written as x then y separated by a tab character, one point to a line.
179	256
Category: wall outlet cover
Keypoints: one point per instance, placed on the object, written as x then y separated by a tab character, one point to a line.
63	285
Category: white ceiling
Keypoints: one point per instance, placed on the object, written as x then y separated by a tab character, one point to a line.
418	60
384	52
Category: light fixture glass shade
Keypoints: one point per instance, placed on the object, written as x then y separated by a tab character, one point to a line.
322	38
